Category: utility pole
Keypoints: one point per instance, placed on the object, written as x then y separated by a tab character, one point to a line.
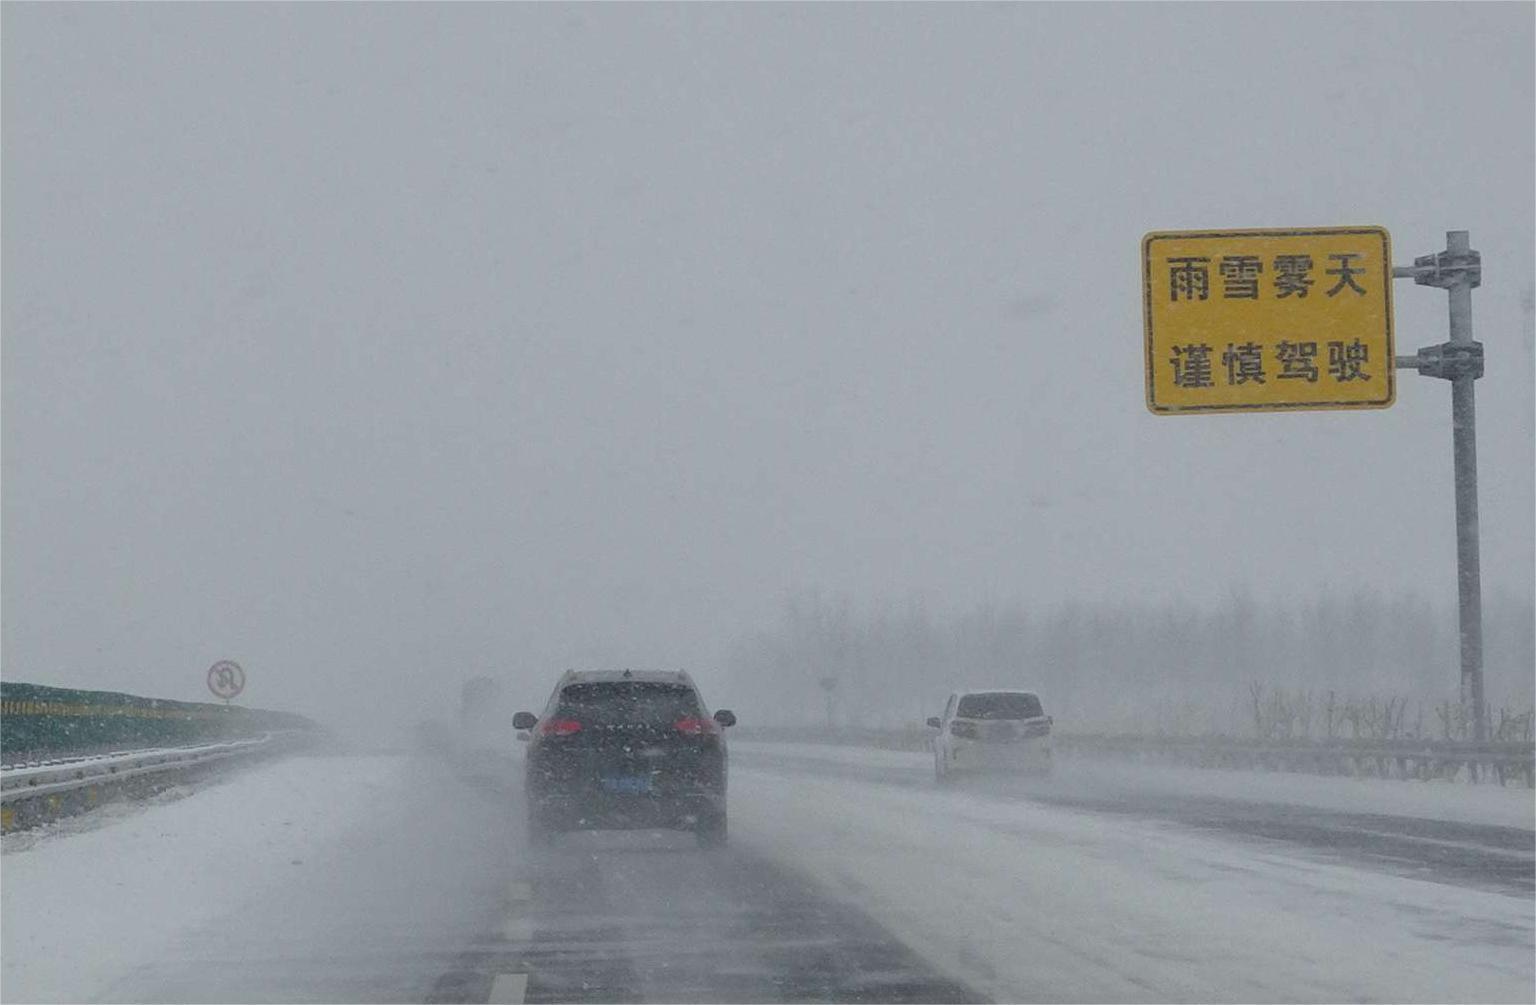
1459	270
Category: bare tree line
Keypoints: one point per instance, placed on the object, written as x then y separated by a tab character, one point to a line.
1344	664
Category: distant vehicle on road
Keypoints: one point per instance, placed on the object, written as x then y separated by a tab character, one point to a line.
629	749
991	731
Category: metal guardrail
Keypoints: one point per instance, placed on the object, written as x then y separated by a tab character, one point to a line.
44	722
33	793
1423	760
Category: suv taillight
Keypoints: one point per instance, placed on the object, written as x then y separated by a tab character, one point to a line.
694	726
559	727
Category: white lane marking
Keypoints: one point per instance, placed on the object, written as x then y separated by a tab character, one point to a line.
519	892
508	989
517	930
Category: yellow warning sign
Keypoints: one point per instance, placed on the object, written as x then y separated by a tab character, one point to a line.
1268	320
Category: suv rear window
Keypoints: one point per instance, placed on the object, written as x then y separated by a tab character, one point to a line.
1003	705
614	702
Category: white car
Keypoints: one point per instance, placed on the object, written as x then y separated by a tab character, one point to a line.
999	731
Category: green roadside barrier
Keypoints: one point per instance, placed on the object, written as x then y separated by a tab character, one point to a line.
39	722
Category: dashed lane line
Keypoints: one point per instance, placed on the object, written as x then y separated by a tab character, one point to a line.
508	989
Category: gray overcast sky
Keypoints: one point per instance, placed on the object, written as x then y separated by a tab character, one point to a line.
378	345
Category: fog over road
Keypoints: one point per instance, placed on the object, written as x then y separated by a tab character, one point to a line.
849	878
405	355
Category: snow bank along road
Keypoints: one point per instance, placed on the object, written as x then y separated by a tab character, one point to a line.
849	878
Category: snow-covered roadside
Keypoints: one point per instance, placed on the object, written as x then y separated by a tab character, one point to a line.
91	898
1027	902
1507	806
1476	804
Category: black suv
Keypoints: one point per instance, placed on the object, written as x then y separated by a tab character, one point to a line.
626	749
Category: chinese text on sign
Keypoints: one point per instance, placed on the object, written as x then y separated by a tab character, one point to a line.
1268	320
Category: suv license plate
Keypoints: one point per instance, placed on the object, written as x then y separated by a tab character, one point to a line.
631	784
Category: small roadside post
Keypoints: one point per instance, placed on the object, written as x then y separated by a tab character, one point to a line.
1301	319
829	685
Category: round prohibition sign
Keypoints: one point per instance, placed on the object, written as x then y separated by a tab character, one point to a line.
226	679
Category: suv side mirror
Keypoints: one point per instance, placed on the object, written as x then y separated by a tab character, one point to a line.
933	721
725	717
524	720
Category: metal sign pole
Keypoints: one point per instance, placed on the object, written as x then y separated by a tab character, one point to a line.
1458	270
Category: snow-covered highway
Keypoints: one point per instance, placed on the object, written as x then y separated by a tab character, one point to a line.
849	878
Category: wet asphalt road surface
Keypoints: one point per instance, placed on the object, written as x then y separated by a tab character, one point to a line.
649	917
1500	859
